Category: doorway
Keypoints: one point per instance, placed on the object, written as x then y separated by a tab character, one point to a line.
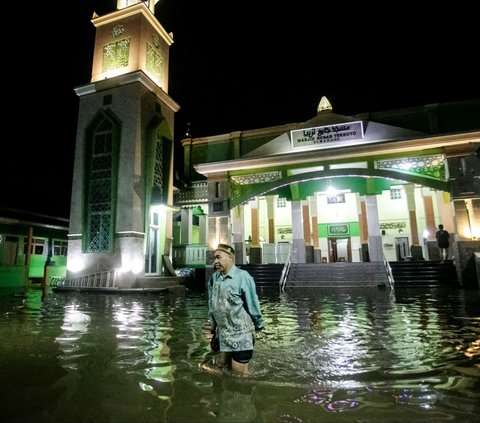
401	247
339	250
152	265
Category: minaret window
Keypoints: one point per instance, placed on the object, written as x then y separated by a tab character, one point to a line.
100	189
154	65
115	55
160	166
158	169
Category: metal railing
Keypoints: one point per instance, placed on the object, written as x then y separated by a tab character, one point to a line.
189	255
105	279
388	269
286	269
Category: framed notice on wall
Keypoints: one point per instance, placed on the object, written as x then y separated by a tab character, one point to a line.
339	229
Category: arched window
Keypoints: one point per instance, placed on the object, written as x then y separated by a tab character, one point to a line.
99	192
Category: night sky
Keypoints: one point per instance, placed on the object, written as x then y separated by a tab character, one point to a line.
233	67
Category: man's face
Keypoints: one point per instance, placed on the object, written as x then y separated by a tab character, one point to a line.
222	262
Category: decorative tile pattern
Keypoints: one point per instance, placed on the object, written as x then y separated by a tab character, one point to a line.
115	55
432	166
256	178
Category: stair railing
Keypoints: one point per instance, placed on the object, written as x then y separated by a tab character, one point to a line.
285	270
388	269
105	279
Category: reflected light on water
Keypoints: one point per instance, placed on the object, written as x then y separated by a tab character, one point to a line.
75	320
326	355
473	349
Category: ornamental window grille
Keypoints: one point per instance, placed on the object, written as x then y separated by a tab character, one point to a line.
100	189
158	167
115	55
432	166
281	202
154	63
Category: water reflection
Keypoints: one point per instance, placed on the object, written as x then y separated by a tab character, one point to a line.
233	401
371	355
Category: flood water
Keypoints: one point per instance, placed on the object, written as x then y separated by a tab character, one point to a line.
330	355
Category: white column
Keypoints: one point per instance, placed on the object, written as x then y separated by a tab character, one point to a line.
375	250
186	228
298	243
238	234
219	231
202	229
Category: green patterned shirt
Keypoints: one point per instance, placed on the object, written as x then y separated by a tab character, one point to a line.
234	309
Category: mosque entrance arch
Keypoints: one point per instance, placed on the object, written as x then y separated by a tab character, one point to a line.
361	186
299	186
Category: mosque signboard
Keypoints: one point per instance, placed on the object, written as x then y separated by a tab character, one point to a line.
321	135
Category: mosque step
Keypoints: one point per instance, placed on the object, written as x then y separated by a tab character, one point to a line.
159	282
264	274
360	274
424	273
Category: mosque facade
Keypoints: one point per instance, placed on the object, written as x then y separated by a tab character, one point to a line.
368	187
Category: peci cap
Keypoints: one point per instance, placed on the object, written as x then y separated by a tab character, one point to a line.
226	249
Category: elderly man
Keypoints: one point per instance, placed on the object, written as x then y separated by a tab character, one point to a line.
233	309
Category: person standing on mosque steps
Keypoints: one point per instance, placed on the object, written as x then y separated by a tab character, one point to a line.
443	242
233	310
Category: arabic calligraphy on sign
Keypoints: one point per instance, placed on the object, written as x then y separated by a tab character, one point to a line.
325	134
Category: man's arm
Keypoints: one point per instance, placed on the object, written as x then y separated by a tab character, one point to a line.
252	303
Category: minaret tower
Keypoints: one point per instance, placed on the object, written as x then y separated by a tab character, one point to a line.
122	191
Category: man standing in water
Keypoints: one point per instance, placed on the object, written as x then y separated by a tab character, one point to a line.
233	309
443	242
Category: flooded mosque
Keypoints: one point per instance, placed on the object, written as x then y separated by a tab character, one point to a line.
334	188
369	188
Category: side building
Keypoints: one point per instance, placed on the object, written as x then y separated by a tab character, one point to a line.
33	248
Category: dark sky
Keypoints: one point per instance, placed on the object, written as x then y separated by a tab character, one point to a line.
233	66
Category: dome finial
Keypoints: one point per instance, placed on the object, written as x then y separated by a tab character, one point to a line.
324	105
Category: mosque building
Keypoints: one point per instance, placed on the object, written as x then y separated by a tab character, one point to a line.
364	188
336	188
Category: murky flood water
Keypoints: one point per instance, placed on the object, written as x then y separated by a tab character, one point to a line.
341	355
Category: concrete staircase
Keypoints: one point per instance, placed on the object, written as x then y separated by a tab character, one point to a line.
160	283
264	274
425	273
361	274
357	275
365	274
